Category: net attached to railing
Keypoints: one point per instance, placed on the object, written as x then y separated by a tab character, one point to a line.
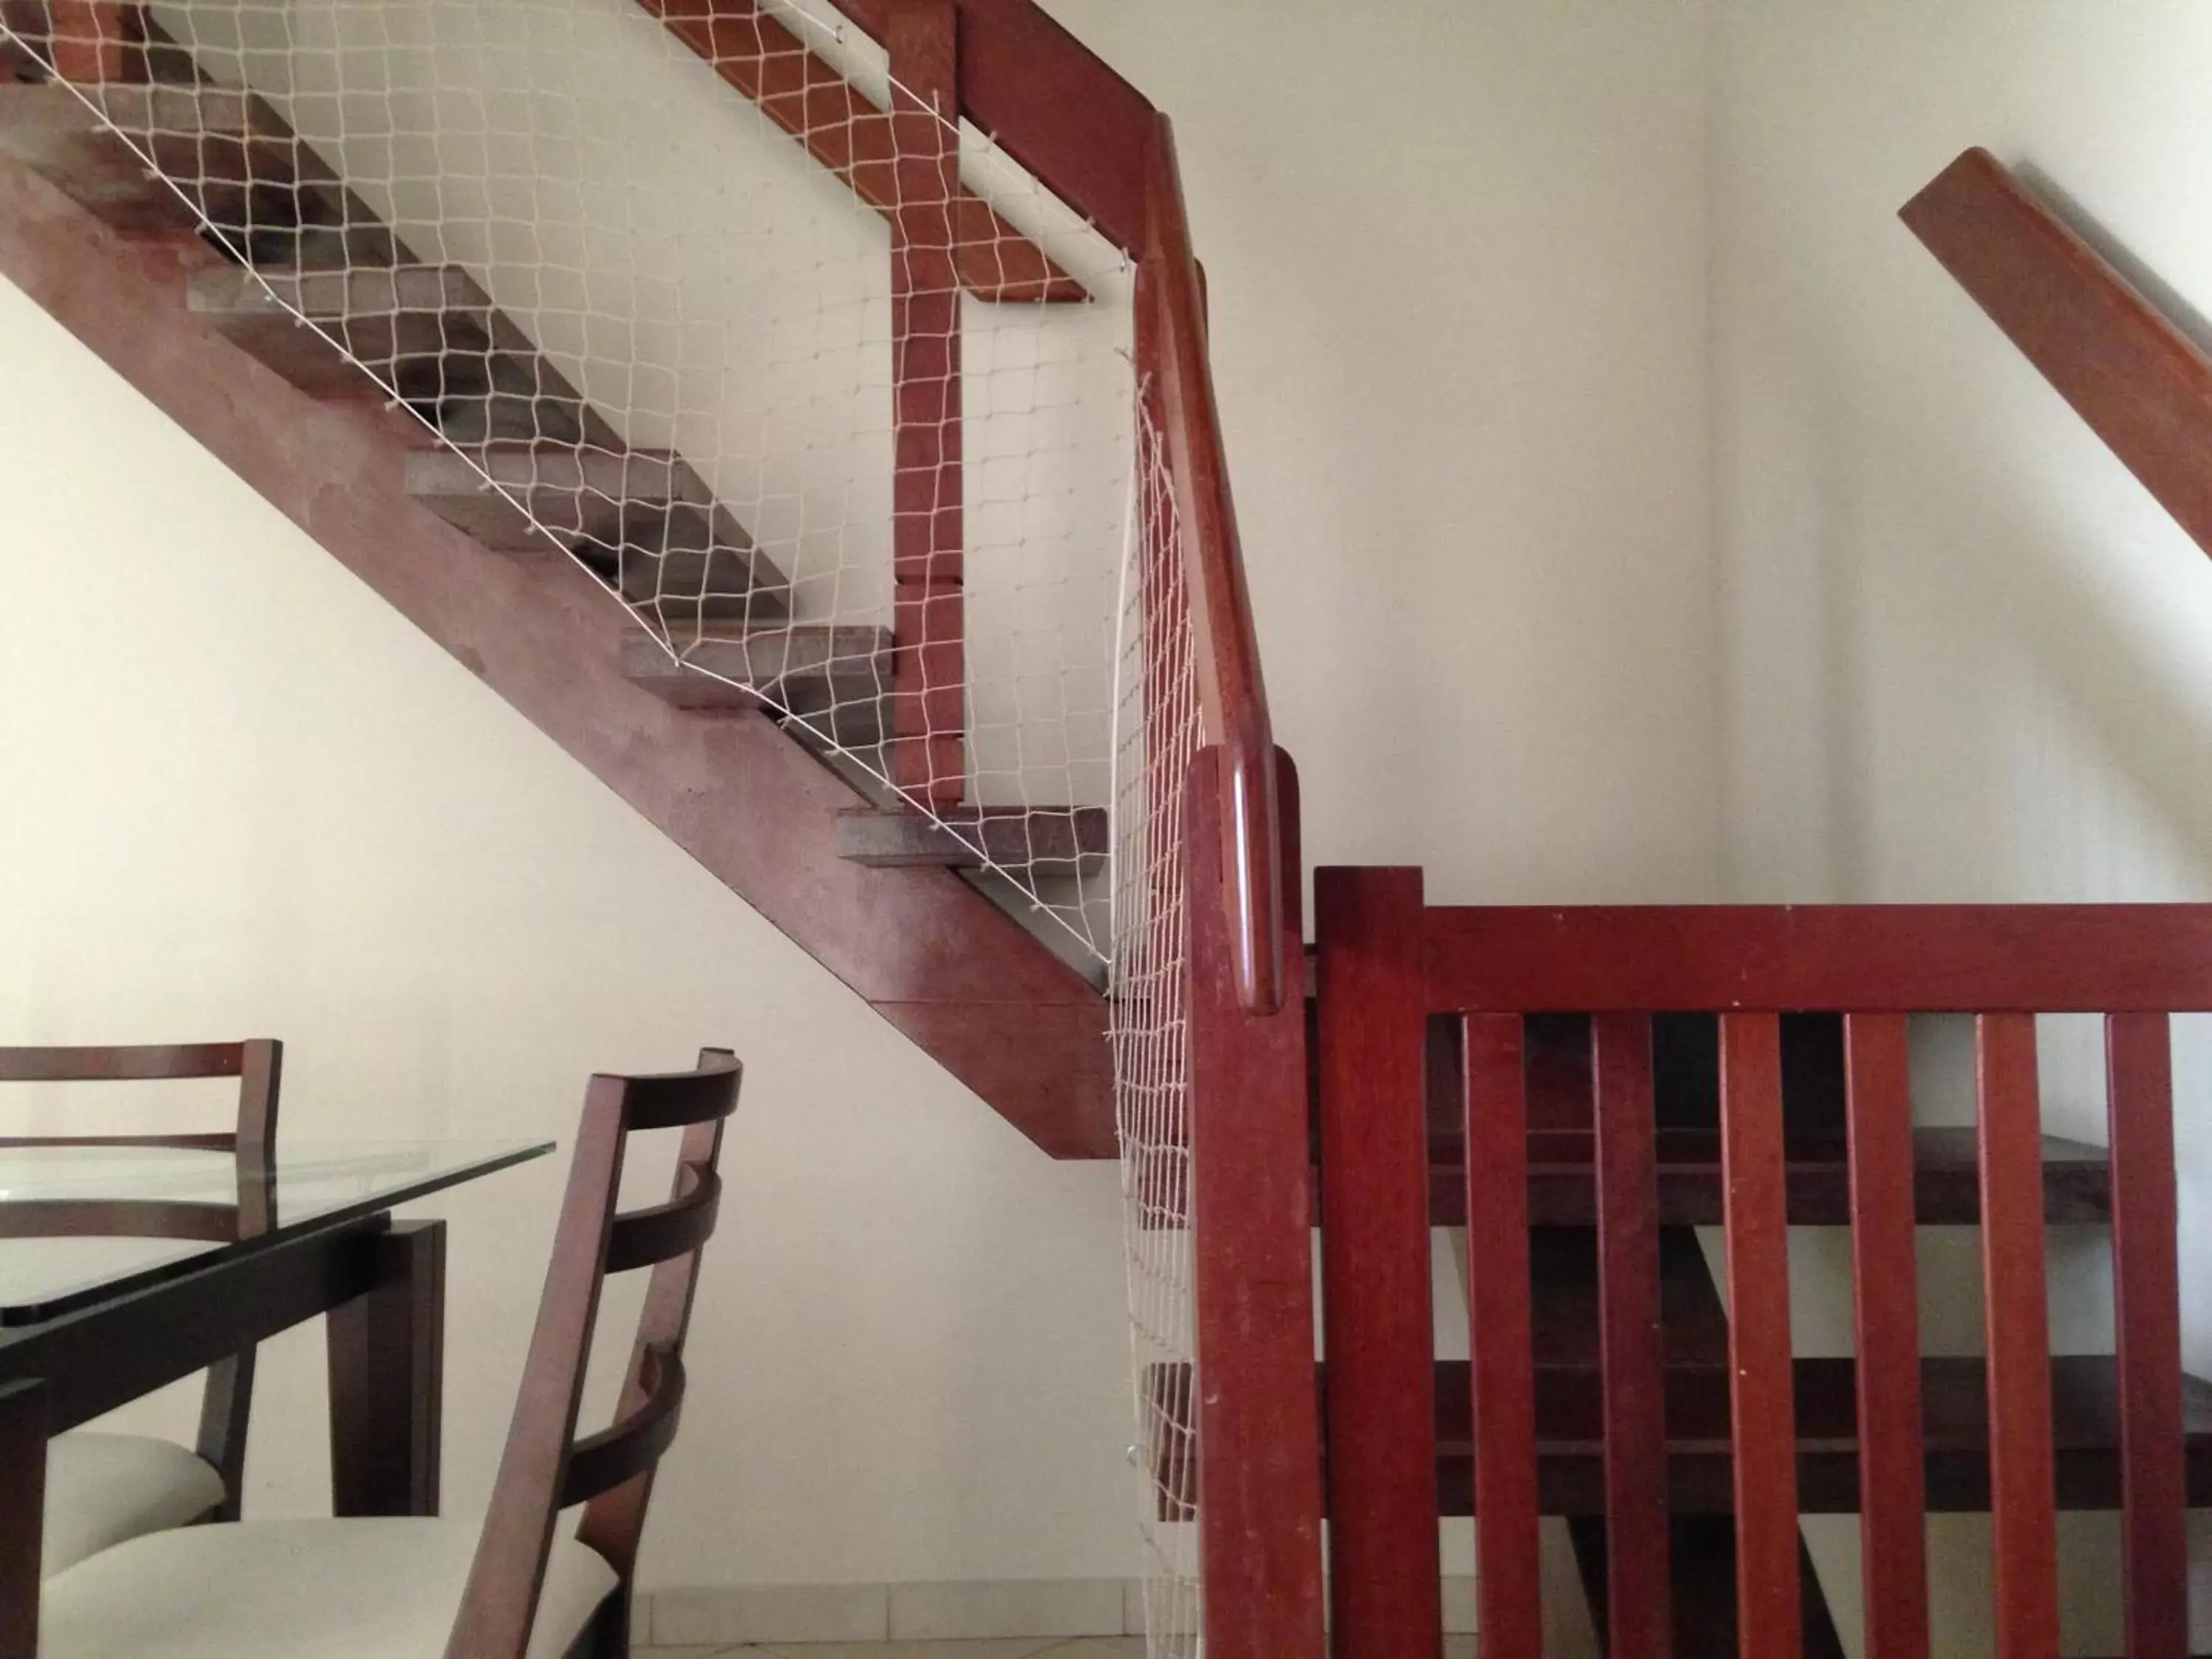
827	391
835	397
1159	736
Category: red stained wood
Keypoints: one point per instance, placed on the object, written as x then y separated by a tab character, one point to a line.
1384	1572
848	134
1885	1270
1769	1613
2022	1479
2143	386
1500	1339
1874	958
1571	1425
1053	105
97	41
928	533
1947	1191
1638	1616
932	954
2146	1290
1172	337
1260	1441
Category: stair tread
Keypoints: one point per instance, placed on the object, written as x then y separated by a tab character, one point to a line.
236	158
1571	1437
1067	839
2077	1183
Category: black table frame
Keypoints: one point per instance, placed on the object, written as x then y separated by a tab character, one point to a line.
381	1283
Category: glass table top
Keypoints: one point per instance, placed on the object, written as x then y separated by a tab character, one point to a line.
305	1185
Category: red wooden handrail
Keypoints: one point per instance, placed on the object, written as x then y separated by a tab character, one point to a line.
2142	385
1051	103
1172	358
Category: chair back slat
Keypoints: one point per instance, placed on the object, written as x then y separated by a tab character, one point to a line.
2147	1301
545	1466
258	1067
1385	1570
2015	1305
1500	1341
634	1443
114	1217
127	1063
1639	1616
1885	1290
644	1238
1770	1612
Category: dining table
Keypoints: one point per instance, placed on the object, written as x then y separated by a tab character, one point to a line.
125	1267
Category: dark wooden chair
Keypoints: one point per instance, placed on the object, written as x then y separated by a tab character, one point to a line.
103	1489
507	1587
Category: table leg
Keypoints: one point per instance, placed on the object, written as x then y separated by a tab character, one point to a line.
22	1515
387	1355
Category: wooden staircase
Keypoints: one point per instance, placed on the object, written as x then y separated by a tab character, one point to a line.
425	501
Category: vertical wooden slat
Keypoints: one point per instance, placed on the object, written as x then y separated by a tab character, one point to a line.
1770	1619
1501	1340
1384	1572
1885	1294
2146	1292
2022	1490
1259	1444
927	507
1639	1620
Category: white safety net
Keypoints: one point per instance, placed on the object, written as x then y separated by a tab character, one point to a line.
833	397
1158	737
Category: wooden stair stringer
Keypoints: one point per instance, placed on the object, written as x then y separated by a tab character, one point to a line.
934	956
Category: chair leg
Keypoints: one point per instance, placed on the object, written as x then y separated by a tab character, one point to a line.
22	1515
224	1407
607	1637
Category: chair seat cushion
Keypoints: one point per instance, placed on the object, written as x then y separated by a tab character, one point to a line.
298	1589
105	1489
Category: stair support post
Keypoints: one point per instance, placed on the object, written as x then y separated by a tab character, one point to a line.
928	752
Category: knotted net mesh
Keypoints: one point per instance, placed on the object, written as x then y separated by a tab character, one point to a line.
831	397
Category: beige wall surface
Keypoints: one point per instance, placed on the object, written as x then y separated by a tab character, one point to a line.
245	797
1457	258
1964	656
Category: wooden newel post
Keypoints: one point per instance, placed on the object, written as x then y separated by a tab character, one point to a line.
929	690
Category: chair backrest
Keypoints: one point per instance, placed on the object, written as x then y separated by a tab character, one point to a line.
546	1467
258	1064
258	1067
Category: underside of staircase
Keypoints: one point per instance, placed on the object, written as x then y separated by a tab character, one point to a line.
875	894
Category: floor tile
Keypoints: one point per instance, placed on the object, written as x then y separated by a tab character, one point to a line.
1009	1608
1027	1647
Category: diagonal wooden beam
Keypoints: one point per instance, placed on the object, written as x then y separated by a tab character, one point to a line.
848	134
2143	386
931	954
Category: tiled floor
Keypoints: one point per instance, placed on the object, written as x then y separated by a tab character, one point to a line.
1046	1647
1053	1647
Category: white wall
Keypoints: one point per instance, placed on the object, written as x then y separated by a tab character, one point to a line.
245	797
1964	656
1457	262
